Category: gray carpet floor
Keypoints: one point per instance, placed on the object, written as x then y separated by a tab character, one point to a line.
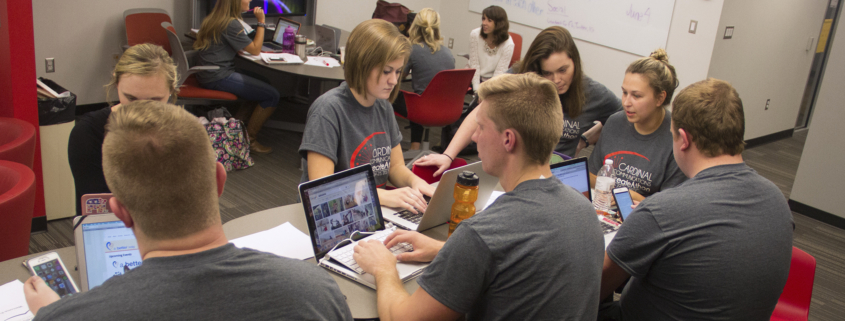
273	182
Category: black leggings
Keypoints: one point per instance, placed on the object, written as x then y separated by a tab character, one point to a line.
400	108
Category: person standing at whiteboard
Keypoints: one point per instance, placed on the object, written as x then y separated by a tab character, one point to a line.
490	46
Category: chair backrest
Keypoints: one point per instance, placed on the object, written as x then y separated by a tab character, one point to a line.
558	157
178	55
517	47
427	172
442	102
17	200
143	26
794	302
17	141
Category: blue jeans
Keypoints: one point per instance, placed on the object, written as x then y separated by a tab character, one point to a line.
247	88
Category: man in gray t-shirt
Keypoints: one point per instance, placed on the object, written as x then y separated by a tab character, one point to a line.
718	246
189	269
534	254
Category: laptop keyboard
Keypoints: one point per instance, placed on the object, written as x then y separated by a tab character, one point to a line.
272	46
410	217
607	227
344	254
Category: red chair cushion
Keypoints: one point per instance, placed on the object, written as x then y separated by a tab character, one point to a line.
794	302
17	141
427	172
191	89
146	28
442	101
17	200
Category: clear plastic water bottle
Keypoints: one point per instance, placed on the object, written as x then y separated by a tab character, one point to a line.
605	181
466	193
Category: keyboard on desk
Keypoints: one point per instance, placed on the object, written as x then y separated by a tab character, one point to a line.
410	217
344	254
272	45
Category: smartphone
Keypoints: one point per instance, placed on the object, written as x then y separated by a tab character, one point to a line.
623	202
50	268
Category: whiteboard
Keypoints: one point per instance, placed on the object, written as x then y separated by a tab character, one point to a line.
635	26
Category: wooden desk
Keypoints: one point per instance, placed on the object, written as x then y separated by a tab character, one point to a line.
361	299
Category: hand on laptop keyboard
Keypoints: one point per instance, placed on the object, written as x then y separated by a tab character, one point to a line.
425	248
404	198
345	255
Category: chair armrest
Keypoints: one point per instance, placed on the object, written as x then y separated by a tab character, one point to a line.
465	55
201	68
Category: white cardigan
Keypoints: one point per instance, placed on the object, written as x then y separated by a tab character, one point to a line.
487	65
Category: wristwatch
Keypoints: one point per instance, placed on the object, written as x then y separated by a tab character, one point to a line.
262	25
584	138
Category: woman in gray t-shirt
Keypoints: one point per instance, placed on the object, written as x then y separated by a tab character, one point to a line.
220	38
354	124
638	139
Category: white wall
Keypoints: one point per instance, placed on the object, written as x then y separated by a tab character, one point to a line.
85	38
767	58
818	182
689	53
346	14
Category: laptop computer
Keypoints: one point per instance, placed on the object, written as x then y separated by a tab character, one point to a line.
278	37
440	207
104	248
575	173
342	209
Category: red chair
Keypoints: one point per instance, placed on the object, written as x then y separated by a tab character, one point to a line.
143	25
427	172
17	200
794	302
17	141
190	91
517	47
441	103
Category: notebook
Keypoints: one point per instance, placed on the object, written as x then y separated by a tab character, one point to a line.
104	248
342	209
440	207
574	173
278	37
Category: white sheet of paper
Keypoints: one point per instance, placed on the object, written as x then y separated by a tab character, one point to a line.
13	305
289	58
492	198
283	240
322	61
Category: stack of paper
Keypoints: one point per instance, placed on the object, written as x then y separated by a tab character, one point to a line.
283	240
322	62
13	305
280	58
47	92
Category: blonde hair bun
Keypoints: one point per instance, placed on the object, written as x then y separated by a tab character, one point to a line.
660	55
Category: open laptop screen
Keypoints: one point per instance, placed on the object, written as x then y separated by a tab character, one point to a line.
339	204
281	25
574	173
110	249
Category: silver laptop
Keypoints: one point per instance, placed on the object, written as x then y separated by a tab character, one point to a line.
342	209
440	207
105	247
574	173
278	36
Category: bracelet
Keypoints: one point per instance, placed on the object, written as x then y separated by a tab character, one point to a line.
262	25
585	140
450	157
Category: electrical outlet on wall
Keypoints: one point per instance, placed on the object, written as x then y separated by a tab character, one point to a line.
451	42
51	64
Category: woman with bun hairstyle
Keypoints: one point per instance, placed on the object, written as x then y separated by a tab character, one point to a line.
554	56
222	34
638	139
353	124
490	46
428	57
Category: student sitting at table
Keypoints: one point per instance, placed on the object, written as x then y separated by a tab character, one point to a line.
554	56
717	247
638	139
143	72
161	168
220	38
428	57
490	46
354	124
534	254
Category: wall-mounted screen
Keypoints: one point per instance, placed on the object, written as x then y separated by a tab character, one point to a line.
273	7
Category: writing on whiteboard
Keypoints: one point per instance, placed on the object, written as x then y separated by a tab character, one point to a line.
558	10
530	7
571	24
641	16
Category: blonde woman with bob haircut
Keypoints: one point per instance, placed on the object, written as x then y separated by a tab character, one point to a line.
222	34
354	124
638	139
143	72
428	57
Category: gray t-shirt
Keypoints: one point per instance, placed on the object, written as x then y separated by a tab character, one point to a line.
642	163
233	39
534	254
600	103
225	283
350	134
717	247
425	64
